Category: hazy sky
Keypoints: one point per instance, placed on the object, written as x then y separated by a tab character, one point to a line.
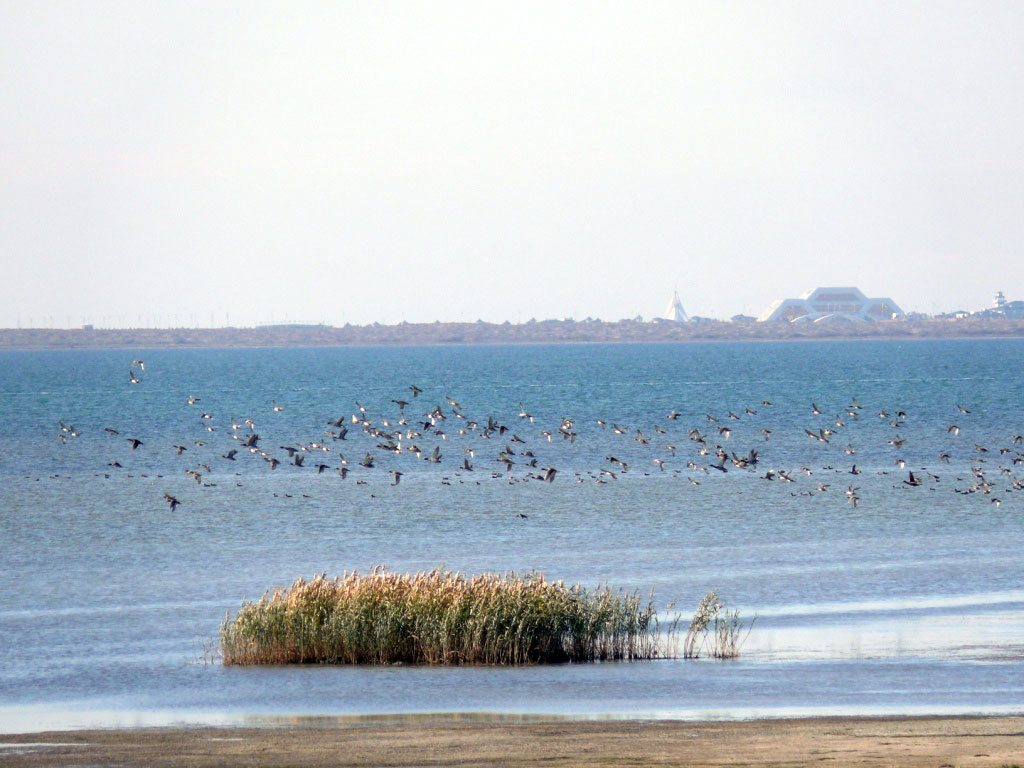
374	161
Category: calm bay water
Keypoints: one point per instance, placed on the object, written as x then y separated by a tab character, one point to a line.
909	602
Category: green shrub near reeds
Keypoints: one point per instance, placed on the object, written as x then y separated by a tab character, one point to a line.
441	617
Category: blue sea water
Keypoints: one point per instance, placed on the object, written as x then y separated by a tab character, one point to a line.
909	602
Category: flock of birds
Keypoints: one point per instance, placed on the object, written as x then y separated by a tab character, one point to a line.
466	448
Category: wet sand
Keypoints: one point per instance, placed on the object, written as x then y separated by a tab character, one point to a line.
426	741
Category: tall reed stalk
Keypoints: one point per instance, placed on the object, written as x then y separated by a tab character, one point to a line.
714	630
442	617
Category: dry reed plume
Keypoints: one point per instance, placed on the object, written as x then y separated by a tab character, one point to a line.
714	630
441	617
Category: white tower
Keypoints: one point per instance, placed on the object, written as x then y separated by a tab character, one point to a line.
675	311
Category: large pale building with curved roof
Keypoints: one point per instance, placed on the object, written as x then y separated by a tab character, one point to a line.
823	305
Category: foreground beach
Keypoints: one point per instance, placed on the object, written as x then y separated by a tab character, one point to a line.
426	740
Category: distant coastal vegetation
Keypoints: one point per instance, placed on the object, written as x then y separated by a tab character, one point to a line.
480	332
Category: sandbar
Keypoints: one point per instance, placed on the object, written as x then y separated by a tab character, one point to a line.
441	741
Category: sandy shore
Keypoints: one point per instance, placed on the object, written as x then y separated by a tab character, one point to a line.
834	742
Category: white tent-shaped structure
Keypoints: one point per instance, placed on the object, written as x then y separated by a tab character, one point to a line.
675	311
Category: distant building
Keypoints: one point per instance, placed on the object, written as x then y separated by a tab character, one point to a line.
823	305
675	312
1003	308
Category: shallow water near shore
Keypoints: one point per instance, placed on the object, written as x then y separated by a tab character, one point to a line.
909	603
